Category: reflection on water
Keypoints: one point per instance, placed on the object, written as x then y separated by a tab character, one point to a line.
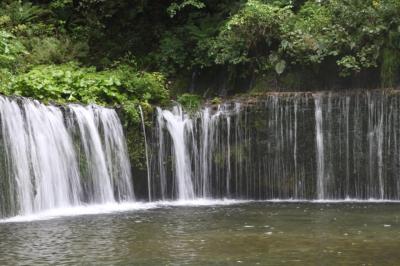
248	233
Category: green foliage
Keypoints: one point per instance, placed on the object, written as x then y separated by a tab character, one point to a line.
42	34
186	47
307	36
216	101
50	50
390	71
10	50
189	101
25	20
267	36
172	55
358	36
121	86
251	36
349	64
175	7
202	41
280	67
21	12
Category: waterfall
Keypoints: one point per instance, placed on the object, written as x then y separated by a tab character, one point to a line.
56	158
296	189
320	149
299	146
178	126
228	156
146	153
205	149
161	153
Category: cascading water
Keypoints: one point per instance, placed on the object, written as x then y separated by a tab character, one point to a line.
180	127
321	177
285	146
146	153
54	158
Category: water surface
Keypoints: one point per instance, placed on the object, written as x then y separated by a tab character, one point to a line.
253	233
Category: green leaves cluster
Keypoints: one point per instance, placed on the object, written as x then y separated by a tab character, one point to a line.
10	49
192	42
121	86
42	32
251	35
190	102
265	36
43	51
175	7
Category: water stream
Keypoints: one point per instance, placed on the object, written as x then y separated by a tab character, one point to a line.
284	146
146	152
59	158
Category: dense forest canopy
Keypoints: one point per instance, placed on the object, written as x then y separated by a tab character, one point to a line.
127	52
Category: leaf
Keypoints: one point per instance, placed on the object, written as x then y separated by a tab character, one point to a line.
280	67
175	7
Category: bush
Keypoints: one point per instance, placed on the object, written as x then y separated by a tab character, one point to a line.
10	50
51	50
191	102
252	36
121	86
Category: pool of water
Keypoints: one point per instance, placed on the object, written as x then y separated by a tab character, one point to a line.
252	233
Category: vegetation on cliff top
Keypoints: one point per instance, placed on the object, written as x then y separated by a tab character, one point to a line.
129	52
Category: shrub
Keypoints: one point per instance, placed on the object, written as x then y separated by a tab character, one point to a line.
191	102
121	86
